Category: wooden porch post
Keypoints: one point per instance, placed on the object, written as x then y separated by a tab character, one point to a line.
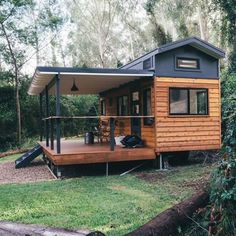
112	135
47	115
41	115
58	113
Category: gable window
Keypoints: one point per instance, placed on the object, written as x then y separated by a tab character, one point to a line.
122	106
147	106
187	63
188	101
147	64
103	107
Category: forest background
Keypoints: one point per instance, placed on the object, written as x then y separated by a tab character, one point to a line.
99	33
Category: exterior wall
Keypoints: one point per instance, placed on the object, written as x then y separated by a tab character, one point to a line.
185	133
123	126
165	64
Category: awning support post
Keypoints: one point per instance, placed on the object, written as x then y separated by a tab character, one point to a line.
47	115
58	113
112	135
41	115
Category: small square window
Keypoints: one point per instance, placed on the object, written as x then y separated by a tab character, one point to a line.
187	63
147	64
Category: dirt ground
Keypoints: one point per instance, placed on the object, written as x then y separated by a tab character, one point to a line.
36	171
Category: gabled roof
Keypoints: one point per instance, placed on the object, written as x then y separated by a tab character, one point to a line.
89	80
195	42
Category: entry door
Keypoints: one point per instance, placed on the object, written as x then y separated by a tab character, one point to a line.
135	111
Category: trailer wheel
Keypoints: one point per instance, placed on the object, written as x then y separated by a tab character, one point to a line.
178	158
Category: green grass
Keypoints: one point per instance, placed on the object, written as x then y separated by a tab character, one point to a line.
114	205
10	158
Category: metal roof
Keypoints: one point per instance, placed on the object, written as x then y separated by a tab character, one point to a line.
195	42
88	80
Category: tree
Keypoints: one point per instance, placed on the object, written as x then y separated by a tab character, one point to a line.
228	29
12	33
159	34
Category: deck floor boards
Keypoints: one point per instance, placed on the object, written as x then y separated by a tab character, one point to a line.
76	152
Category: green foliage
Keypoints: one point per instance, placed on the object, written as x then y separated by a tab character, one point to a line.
7	118
228	88
223	196
228	29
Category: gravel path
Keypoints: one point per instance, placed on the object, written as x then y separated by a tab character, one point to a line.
36	171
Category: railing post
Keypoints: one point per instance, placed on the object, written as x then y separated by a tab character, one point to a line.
58	113
47	115
112	134
52	134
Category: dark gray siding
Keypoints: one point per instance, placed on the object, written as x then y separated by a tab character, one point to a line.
165	64
137	66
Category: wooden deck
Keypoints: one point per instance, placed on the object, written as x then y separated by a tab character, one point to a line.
76	152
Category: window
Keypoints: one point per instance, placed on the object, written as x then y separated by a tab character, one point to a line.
103	107
147	64
122	106
188	101
147	106
187	63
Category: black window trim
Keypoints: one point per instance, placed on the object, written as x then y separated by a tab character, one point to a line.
188	105
122	105
103	102
151	61
147	121
198	69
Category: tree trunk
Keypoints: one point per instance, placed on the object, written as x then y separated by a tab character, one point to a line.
167	222
18	108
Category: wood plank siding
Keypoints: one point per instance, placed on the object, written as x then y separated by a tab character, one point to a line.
187	132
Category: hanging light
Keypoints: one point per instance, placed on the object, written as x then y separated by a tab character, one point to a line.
74	88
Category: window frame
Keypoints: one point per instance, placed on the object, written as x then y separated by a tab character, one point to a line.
103	106
147	121
122	104
176	58
188	102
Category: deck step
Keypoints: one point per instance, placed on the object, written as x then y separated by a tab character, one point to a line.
29	156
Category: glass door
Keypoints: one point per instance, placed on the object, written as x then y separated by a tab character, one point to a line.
135	111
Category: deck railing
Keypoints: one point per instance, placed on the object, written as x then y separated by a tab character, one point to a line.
49	131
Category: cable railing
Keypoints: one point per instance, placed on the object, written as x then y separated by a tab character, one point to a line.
55	121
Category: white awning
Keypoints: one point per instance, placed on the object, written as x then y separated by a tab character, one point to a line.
88	80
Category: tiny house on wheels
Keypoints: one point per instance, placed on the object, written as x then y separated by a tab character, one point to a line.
169	97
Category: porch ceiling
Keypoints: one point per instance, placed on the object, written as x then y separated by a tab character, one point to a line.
88	80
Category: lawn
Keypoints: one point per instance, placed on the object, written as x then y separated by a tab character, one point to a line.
10	158
114	205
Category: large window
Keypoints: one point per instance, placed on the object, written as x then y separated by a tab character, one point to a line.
188	101
122	106
147	106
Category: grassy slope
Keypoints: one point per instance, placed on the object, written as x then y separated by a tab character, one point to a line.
10	158
114	205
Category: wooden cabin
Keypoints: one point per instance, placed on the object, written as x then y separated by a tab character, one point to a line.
170	97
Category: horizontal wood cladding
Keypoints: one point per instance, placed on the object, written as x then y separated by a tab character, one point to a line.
186	133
